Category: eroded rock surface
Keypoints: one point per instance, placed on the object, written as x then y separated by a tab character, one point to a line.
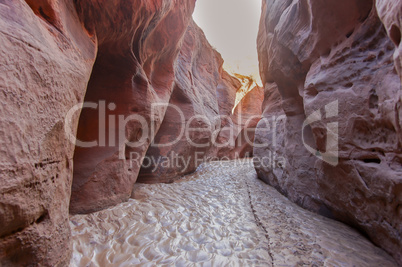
203	95
46	58
390	13
119	58
246	116
47	53
199	124
138	45
333	60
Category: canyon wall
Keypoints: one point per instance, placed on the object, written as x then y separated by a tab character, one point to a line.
119	57
203	95
246	115
138	43
199	125
330	137
126	61
46	57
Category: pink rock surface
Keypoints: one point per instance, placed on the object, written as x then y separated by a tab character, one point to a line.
390	12
199	126
138	43
46	58
203	94
246	116
314	54
121	57
48	51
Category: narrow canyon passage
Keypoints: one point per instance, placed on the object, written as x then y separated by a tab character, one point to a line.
222	215
102	102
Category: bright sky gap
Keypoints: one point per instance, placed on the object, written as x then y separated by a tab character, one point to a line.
231	26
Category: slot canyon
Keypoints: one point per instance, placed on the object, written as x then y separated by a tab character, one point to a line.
127	141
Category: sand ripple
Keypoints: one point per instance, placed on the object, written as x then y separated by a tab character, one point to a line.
220	216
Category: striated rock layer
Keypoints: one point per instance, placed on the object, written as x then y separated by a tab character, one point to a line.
118	56
199	125
390	13
246	116
331	135
203	95
135	68
125	60
236	138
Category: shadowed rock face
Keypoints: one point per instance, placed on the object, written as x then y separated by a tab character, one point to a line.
120	58
390	13
236	138
199	124
46	58
246	116
202	99
54	55
198	73
335	60
138	45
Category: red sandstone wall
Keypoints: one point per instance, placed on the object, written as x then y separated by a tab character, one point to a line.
122	56
138	43
202	92
47	54
312	54
46	57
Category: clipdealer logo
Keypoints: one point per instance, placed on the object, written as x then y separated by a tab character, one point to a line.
115	134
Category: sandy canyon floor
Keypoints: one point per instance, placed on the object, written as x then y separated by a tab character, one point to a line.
220	216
